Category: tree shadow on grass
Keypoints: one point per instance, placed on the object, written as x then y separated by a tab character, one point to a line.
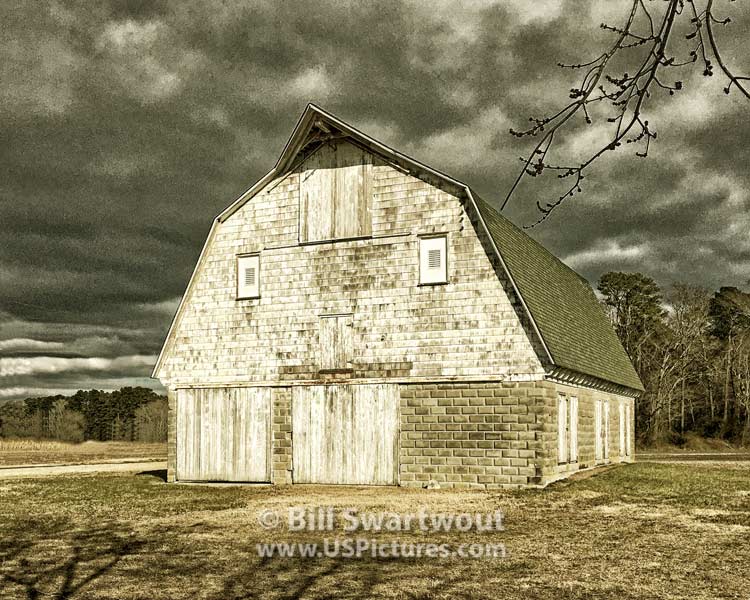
57	562
284	578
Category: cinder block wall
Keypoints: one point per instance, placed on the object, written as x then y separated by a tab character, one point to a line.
471	434
282	436
548	447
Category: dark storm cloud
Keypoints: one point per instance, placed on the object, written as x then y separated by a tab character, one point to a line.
126	126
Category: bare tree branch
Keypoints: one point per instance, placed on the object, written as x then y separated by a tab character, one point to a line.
626	94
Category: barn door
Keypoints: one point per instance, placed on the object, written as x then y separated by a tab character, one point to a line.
224	434
345	434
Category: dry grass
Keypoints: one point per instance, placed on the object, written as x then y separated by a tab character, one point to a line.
23	451
640	531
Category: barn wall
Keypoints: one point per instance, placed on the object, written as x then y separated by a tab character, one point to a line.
471	435
483	434
548	448
468	327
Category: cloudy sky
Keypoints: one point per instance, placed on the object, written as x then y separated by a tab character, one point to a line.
126	126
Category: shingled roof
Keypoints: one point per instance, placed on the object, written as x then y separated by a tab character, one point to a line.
570	320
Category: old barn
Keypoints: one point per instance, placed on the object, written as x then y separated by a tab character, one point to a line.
357	317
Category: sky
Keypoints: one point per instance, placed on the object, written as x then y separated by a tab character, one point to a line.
127	126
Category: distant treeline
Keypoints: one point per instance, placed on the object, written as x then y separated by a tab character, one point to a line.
691	348
128	414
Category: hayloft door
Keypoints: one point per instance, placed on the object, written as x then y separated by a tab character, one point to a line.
336	342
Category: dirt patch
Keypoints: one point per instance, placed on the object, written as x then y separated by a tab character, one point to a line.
56	470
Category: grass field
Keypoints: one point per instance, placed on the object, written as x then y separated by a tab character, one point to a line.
36	452
639	531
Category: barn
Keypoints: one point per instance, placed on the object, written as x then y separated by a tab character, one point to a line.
358	317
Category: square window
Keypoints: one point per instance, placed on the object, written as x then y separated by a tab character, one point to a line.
248	276
433	263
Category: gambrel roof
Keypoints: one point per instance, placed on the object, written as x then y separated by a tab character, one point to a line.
575	329
565	315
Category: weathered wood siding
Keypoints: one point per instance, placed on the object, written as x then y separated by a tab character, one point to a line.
468	327
224	434
345	434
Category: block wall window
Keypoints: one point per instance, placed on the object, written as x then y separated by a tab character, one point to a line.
248	276
622	429
433	259
562	429
573	420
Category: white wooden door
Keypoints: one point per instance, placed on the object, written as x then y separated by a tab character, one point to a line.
345	434
336	343
598	447
627	429
605	429
573	410
224	434
562	429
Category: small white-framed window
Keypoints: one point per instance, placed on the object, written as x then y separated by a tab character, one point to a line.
562	429
622	429
248	276
433	259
